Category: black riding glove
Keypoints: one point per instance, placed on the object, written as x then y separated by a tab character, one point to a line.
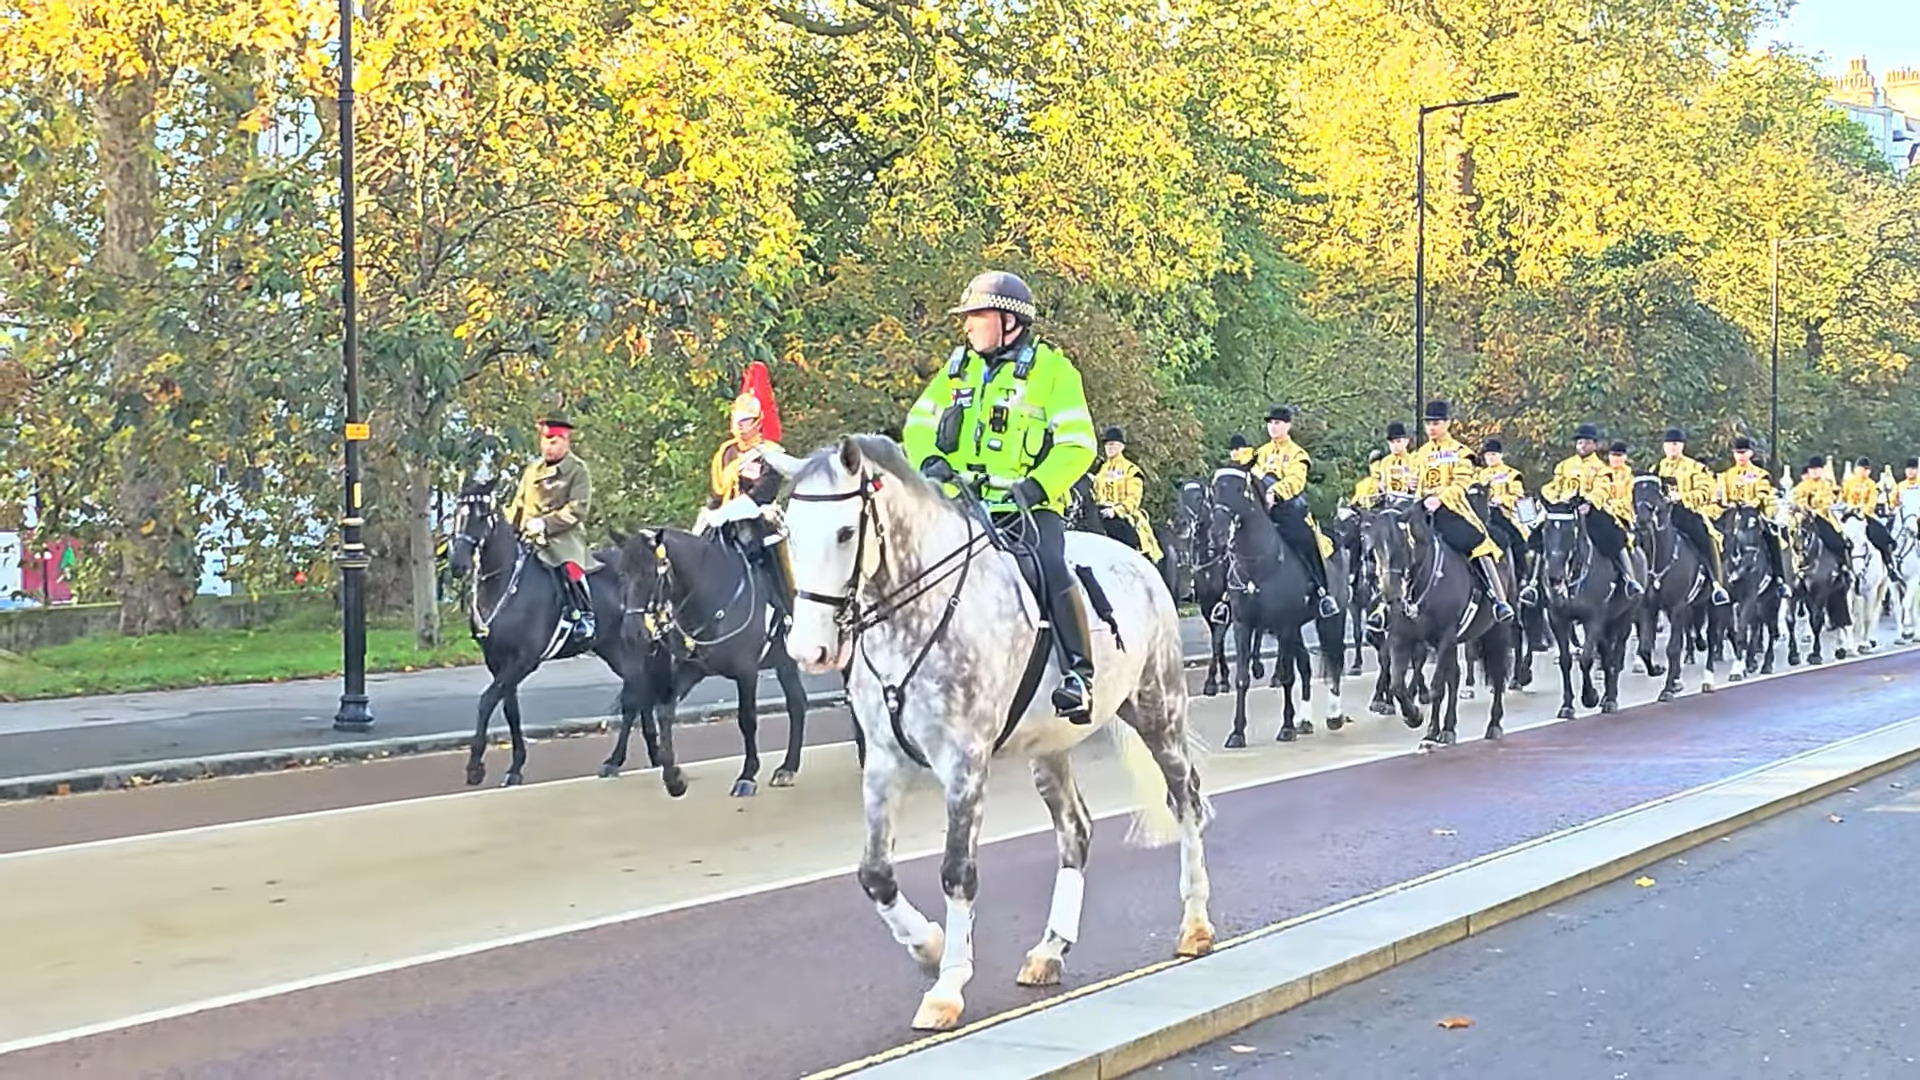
1029	493
937	469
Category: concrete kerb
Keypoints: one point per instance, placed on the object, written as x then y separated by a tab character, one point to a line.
1122	1025
244	762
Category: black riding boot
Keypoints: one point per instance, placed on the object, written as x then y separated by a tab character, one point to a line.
1623	562
1777	562
1496	588
783	587
582	614
1073	698
1317	569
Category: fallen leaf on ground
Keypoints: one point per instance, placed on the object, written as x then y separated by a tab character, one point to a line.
1644	882
1241	1048
1452	1022
1835	818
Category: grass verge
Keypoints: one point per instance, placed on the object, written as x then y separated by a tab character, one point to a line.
301	647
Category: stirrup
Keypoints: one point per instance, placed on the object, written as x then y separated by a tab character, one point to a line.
583	625
1377	620
1073	698
1328	606
1720	596
1502	611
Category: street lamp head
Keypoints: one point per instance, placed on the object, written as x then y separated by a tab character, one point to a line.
1508	96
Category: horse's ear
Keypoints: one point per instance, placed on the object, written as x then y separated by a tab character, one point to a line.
851	459
781	462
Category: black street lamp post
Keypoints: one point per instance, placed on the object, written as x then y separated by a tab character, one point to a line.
1420	244
354	714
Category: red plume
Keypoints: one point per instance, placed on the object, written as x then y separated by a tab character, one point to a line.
758	381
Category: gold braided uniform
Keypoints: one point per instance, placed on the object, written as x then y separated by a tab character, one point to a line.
1816	494
1694	486
1285	461
1861	493
1365	490
1120	484
1592	479
1907	490
1749	485
1445	472
1396	474
1504	490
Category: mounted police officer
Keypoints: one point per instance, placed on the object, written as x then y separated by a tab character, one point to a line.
1285	464
1610	514
1692	486
1747	484
549	509
1010	408
1445	469
1118	487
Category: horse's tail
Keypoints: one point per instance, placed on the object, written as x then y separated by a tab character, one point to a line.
1154	824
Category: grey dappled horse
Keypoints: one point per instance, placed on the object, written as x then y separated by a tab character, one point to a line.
907	592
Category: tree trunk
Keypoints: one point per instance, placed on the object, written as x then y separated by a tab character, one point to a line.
420	568
157	543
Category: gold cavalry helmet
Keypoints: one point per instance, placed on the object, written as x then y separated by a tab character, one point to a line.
997	290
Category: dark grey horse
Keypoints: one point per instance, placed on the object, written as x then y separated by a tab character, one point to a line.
1433	606
514	613
1678	586
1820	589
1269	589
700	608
1753	625
1583	591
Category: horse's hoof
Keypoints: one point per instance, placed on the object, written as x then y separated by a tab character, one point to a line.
512	779
1237	740
931	952
744	788
1286	735
1195	940
1736	676
1589	698
1411	720
1335	723
475	774
1353	670
1608	708
676	784
1380	708
782	777
1495	732
1666	694
1447	738
1656	671
1466	693
1707	687
937	1014
1304	727
1565	713
1210	689
1040	971
1838	654
609	769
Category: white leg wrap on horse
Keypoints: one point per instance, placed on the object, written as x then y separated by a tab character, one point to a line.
1069	889
910	928
957	962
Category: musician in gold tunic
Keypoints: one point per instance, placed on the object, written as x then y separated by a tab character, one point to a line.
1610	517
1861	493
1118	487
1445	469
1284	464
1395	473
1747	484
1816	494
1692	489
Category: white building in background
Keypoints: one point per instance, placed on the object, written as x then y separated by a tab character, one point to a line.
1889	109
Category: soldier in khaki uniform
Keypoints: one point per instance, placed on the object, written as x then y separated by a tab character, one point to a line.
1693	485
1286	464
549	509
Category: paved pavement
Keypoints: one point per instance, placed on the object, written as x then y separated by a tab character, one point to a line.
38	738
1786	950
596	928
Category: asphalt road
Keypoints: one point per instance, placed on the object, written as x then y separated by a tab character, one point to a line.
1788	950
45	737
779	983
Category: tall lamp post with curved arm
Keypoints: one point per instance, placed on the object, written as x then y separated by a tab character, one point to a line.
1420	242
354	714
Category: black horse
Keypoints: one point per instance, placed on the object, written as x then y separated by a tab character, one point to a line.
1361	585
515	612
1433	606
1269	589
700	607
1821	588
1754	623
1583	589
1203	556
1678	586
